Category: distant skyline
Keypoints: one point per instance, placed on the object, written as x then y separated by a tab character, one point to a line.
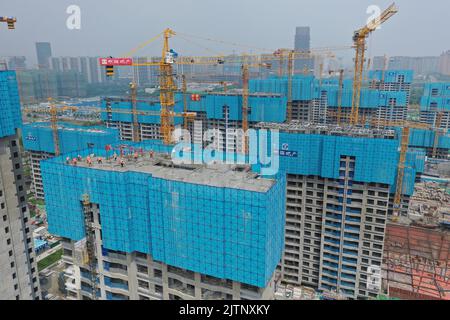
114	28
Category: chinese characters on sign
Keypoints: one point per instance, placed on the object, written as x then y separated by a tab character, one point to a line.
116	61
285	152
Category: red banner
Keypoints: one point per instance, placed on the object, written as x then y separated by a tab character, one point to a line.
116	61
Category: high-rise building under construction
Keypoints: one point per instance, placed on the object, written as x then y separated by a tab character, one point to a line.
18	272
144	227
39	142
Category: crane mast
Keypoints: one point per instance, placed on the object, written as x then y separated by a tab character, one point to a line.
245	79
184	89
404	141
400	172
133	95
289	84
54	126
167	88
341	84
53	111
359	41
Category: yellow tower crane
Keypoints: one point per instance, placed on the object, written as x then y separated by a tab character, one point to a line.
359	40
167	88
133	96
341	87
167	82
245	80
10	21
404	142
54	111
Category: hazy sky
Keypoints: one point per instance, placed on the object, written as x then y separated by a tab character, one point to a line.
114	27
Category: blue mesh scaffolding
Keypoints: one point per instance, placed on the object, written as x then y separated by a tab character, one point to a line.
219	231
436	97
38	136
10	118
263	108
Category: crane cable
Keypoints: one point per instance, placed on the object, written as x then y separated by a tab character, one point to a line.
235	44
318	49
221	54
142	45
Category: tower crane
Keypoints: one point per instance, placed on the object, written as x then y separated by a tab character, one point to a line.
136	112
289	88
10	21
291	56
167	88
404	141
53	110
359	40
133	96
245	80
167	82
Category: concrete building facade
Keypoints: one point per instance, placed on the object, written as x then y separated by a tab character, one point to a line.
336	211
18	270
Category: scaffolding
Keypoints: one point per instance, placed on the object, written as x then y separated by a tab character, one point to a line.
90	243
327	129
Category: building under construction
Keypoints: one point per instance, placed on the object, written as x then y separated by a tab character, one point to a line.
38	140
435	105
318	100
219	112
18	271
136	225
340	185
313	100
340	182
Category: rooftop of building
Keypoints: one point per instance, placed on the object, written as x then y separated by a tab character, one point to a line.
328	129
70	127
160	165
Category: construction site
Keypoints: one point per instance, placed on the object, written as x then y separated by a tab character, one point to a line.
286	182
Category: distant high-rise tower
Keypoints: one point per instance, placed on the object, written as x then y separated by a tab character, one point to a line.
303	44
43	52
302	39
17	63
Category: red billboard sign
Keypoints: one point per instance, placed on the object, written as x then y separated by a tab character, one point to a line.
116	61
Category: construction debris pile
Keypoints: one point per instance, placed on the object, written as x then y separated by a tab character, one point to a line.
430	205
